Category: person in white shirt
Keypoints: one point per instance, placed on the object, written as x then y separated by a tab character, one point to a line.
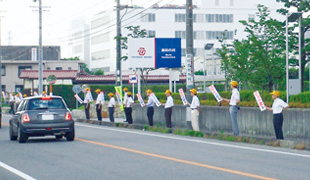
87	101
150	107
168	108
195	107
128	108
234	106
99	103
17	100
125	90
277	108
111	106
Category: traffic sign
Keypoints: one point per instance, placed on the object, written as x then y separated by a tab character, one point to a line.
133	79
51	79
76	89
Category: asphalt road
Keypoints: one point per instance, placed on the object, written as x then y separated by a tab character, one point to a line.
115	153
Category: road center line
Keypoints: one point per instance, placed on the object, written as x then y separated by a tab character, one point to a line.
15	171
177	160
197	141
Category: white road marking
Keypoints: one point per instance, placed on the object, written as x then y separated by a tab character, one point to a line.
15	171
196	141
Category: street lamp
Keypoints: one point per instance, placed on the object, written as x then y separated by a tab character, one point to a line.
209	46
292	17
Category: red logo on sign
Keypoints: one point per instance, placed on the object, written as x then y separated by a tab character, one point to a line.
141	51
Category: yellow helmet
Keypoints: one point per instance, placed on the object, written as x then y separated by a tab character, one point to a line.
44	92
129	93
125	89
148	91
98	91
110	94
194	91
234	83
168	91
25	95
276	93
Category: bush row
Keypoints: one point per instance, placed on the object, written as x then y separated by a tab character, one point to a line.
301	100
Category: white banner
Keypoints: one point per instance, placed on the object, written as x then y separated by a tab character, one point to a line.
157	102
34	54
140	100
182	95
215	93
141	52
259	101
189	72
77	97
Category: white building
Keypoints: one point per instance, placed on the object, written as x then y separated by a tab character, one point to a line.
211	18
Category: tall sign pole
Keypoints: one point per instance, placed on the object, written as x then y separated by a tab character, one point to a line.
189	38
40	88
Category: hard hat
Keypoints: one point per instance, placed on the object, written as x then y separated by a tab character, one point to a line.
129	93
194	91
234	83
168	91
98	91
276	93
110	94
148	91
125	89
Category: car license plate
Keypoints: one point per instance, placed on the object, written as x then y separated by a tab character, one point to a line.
47	117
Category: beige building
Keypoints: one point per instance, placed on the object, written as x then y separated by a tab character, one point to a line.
12	69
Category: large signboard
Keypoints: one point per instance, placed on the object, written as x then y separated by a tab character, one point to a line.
168	53
141	52
154	52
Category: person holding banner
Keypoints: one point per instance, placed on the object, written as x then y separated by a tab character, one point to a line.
195	108
99	104
234	106
277	108
111	106
128	108
168	108
87	101
125	90
150	107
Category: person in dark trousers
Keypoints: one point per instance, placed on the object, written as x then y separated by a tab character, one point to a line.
87	101
99	103
168	108
277	108
128	108
111	106
12	101
150	107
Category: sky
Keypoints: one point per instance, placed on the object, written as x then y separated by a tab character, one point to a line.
20	18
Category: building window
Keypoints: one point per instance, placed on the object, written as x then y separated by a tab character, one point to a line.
58	68
104	54
199	18
224	18
48	68
3	88
69	68
217	2
3	70
180	34
210	18
179	17
219	34
183	52
251	17
151	33
199	35
149	17
21	68
19	88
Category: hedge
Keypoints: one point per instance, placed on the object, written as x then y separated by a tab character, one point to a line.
301	100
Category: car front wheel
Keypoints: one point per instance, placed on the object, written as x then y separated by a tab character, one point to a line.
22	137
70	135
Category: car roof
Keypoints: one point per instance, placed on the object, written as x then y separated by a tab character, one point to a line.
35	97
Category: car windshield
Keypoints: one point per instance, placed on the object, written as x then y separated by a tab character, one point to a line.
53	103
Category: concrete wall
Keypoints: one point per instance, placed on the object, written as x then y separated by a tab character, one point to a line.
252	122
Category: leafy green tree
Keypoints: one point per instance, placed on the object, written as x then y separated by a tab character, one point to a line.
259	60
99	72
85	69
76	58
304	7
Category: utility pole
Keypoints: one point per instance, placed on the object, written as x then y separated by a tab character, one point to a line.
118	45
189	37
40	50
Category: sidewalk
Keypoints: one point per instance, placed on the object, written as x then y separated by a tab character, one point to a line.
117	120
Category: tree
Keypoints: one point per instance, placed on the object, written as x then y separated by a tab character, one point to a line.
76	58
304	7
259	60
85	69
99	72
